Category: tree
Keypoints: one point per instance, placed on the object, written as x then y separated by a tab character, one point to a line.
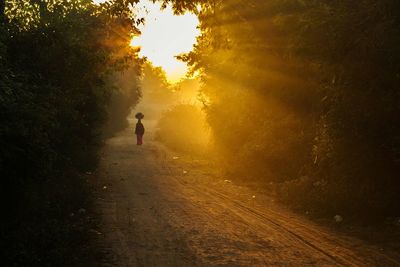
305	89
56	70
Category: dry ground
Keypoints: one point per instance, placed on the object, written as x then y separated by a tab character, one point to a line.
163	209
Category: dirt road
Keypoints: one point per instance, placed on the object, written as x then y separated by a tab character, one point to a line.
162	209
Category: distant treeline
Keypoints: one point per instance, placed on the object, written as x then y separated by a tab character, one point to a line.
306	95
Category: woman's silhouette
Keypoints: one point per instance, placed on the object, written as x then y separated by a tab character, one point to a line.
139	130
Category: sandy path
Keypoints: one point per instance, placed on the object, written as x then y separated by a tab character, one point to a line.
159	210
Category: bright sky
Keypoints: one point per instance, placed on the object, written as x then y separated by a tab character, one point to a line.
165	36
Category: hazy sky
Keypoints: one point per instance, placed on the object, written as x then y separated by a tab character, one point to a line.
165	36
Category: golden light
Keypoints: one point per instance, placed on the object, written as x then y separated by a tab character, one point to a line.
164	36
99	1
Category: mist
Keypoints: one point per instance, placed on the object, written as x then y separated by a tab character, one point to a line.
174	114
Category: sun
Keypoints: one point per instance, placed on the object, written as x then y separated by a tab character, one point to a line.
164	36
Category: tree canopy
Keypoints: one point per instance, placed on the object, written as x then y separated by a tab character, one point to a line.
305	93
57	60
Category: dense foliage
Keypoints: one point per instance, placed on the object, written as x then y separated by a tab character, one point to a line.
61	69
57	58
306	94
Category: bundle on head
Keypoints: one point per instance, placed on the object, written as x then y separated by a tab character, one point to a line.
139	116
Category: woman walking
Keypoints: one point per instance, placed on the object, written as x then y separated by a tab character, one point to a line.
139	130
